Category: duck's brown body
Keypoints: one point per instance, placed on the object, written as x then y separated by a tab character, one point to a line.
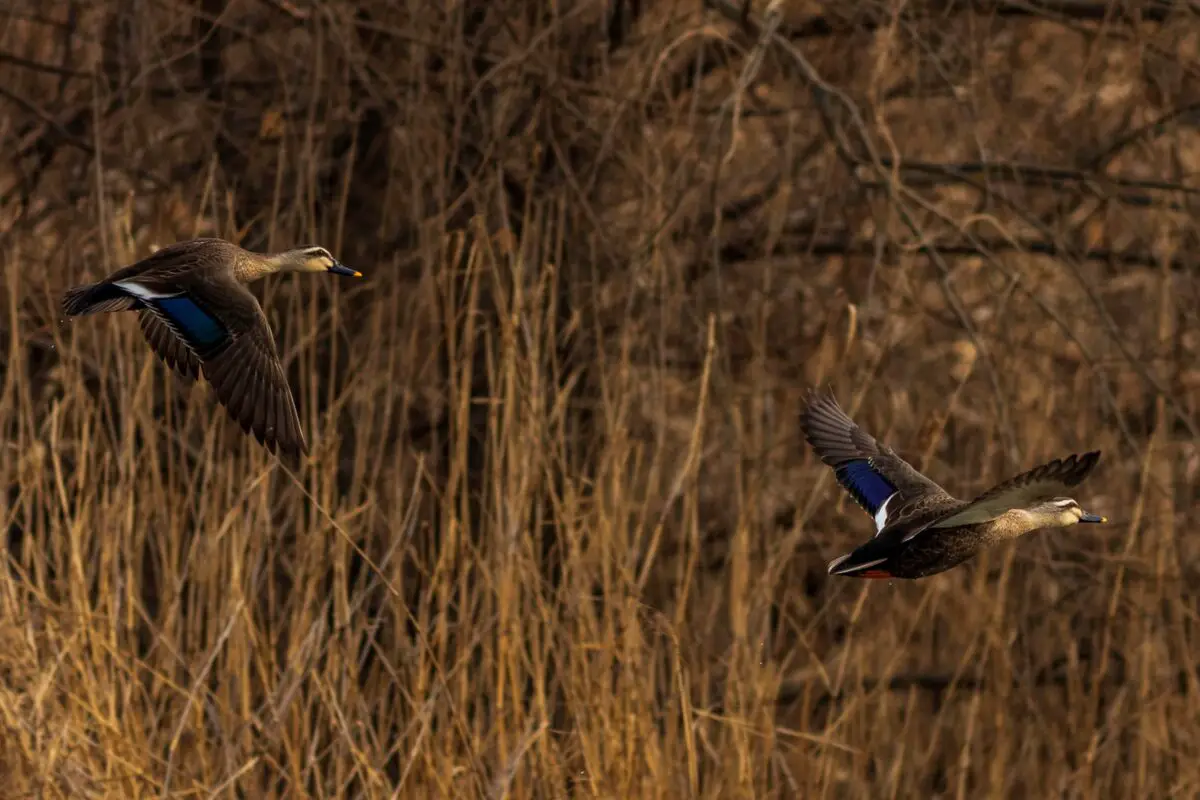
934	551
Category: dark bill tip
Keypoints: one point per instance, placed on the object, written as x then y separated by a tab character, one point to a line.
1093	518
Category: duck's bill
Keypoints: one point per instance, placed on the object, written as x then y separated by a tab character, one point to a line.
1092	518
342	269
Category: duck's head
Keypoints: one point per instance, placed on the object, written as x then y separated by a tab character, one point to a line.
1065	511
312	258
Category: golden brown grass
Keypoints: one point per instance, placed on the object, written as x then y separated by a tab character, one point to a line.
559	535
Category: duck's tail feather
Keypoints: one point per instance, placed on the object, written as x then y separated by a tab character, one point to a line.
854	565
96	298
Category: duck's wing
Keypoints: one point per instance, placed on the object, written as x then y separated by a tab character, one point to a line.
1029	488
886	486
222	325
167	345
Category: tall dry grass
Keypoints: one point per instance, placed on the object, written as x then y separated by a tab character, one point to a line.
559	535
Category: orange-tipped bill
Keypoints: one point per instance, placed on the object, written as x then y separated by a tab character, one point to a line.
342	269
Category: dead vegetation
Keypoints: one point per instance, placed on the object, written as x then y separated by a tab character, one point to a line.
559	536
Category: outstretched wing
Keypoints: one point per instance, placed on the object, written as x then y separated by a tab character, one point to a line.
886	486
1029	488
222	327
167	345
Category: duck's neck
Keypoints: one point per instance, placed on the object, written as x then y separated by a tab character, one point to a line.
1017	522
252	266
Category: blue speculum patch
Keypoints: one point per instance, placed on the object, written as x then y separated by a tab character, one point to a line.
867	486
196	325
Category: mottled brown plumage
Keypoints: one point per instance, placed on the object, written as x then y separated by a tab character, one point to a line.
200	319
922	529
